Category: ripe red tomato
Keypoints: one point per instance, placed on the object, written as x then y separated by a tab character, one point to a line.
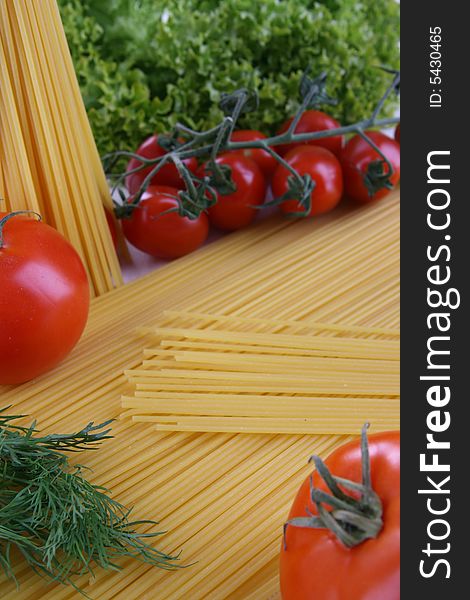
234	211
168	174
315	564
356	157
44	298
263	159
313	120
397	133
325	170
112	228
164	236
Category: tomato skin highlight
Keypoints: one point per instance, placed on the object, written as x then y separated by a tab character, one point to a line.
168	174
265	161
310	121
325	170
234	211
44	299
167	236
316	565
357	155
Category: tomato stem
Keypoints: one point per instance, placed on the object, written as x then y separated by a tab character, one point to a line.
352	518
9	216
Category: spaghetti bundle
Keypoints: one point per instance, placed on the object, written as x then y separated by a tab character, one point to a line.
222	497
48	159
228	380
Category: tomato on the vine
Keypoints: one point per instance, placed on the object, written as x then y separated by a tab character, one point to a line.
311	121
315	563
168	174
355	159
238	209
265	161
167	235
323	167
44	298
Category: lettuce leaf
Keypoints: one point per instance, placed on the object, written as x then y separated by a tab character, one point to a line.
143	65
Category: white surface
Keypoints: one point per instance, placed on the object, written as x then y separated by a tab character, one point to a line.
142	263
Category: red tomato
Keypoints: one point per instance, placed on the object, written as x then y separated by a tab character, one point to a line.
234	211
168	175
44	299
397	133
315	564
325	170
356	157
164	236
112	228
263	159
313	120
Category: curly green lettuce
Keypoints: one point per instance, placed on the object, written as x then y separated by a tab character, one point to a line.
143	65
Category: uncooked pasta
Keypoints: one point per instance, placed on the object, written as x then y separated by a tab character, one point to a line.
222	497
48	157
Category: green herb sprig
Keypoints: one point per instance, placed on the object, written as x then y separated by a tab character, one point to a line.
62	525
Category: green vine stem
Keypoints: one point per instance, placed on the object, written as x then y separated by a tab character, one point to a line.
209	144
353	519
11	215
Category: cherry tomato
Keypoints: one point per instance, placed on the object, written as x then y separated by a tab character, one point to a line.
325	170
397	133
44	298
168	174
164	235
356	157
313	120
263	159
112	228
316	564
234	211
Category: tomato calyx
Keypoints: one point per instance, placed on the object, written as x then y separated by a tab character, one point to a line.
11	215
219	176
192	205
300	188
377	177
313	91
352	518
191	202
170	142
240	101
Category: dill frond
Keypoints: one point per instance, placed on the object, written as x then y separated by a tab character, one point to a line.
63	525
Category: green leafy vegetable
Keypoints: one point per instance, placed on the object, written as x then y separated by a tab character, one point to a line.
62	525
143	65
